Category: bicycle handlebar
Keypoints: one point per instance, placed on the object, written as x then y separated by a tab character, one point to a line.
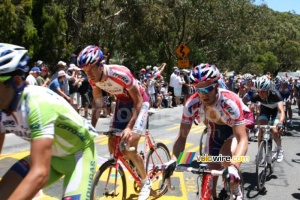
169	167
265	126
123	144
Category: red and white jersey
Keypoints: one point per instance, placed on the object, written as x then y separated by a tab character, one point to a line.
119	81
229	109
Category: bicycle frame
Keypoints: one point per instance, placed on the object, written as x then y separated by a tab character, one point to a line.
117	155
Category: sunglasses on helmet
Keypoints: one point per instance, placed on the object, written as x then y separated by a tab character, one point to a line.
207	89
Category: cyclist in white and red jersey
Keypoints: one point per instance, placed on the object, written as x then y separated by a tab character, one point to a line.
131	106
226	118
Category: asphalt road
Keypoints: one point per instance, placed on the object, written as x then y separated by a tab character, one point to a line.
164	127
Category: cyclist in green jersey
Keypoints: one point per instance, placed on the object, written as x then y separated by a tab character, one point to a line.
61	140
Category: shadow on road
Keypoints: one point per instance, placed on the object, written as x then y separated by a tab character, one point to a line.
251	189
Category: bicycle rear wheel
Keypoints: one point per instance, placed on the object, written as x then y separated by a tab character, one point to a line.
155	159
261	165
108	184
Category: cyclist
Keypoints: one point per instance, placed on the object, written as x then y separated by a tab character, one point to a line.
286	92
132	104
226	116
271	108
61	141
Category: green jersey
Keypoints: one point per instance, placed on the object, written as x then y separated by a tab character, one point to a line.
41	113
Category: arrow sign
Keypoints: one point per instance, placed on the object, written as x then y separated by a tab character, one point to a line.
182	50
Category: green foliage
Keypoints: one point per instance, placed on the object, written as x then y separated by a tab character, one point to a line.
233	34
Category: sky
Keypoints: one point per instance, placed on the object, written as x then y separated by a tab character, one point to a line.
281	5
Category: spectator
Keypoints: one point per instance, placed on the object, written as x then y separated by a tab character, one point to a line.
159	78
167	96
84	90
61	65
39	64
57	83
33	74
158	70
177	88
172	84
151	89
42	79
74	84
73	58
185	85
148	71
143	74
158	96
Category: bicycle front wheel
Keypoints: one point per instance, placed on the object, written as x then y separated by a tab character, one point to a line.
155	159
201	149
109	183
261	165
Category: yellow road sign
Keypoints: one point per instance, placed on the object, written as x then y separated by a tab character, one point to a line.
182	50
183	64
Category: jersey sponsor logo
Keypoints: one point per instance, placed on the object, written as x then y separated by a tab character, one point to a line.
92	170
123	78
35	126
9	123
72	130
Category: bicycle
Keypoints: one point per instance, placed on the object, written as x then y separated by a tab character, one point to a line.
110	180
206	184
266	157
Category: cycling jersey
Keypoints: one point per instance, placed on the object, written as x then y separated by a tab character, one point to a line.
229	108
41	113
268	109
119	81
285	93
270	102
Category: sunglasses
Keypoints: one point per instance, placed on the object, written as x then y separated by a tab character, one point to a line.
207	89
4	78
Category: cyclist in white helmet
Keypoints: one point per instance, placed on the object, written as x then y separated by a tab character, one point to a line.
132	104
61	140
226	118
271	109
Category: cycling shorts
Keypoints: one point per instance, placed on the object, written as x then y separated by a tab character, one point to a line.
216	136
268	114
78	170
123	113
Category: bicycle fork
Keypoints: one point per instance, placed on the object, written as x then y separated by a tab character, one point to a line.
116	180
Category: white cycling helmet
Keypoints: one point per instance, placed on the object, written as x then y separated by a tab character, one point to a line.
247	76
89	55
12	58
204	72
262	83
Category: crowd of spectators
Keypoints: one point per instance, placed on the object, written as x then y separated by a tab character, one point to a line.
68	81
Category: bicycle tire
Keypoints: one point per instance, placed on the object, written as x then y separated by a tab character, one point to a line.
154	158
201	142
98	185
261	156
